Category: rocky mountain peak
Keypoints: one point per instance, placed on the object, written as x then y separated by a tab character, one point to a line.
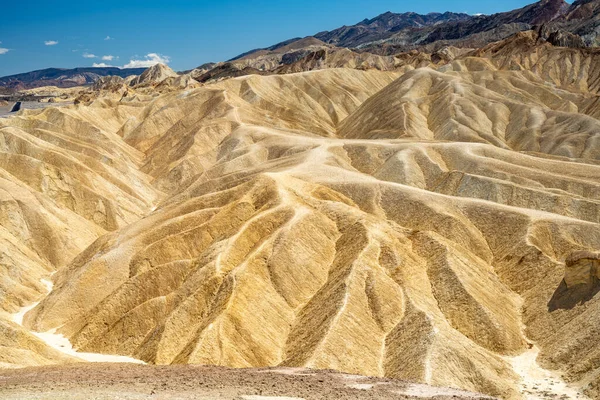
581	9
155	74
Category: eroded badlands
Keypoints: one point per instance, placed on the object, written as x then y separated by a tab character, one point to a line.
404	225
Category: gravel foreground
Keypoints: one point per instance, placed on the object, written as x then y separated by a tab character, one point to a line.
131	381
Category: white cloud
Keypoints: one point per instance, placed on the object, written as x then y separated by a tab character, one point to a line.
3	50
108	38
149	60
88	55
51	42
108	58
101	65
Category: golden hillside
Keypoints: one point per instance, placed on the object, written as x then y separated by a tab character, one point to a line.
409	225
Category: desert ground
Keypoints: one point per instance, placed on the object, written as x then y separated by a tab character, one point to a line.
128	382
427	222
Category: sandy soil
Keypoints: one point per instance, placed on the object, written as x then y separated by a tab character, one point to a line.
134	381
539	383
62	344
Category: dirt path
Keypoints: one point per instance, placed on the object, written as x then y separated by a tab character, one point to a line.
61	343
538	383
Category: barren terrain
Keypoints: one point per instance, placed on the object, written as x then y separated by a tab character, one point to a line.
435	224
129	382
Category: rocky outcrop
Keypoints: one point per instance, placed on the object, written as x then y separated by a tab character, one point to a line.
108	83
582	268
344	58
153	75
227	70
16	107
581	281
560	37
583	9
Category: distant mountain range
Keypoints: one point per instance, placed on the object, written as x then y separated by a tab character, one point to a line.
391	33
64	78
359	45
385	26
391	41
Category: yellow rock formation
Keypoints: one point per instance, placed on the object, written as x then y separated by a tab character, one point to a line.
405	225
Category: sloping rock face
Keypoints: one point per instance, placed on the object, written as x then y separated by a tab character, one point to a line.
390	34
384	26
154	75
560	37
66	180
581	282
405	225
108	83
582	9
582	268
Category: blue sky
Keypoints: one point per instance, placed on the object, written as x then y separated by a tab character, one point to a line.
184	33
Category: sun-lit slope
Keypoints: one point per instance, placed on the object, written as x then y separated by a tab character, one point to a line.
410	258
506	109
64	183
328	285
180	131
277	242
69	175
66	179
567	68
310	102
346	58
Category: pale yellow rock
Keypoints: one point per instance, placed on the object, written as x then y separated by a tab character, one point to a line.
582	268
154	75
412	226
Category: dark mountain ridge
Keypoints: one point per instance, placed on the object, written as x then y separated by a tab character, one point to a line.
63	77
534	14
389	34
384	26
393	33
